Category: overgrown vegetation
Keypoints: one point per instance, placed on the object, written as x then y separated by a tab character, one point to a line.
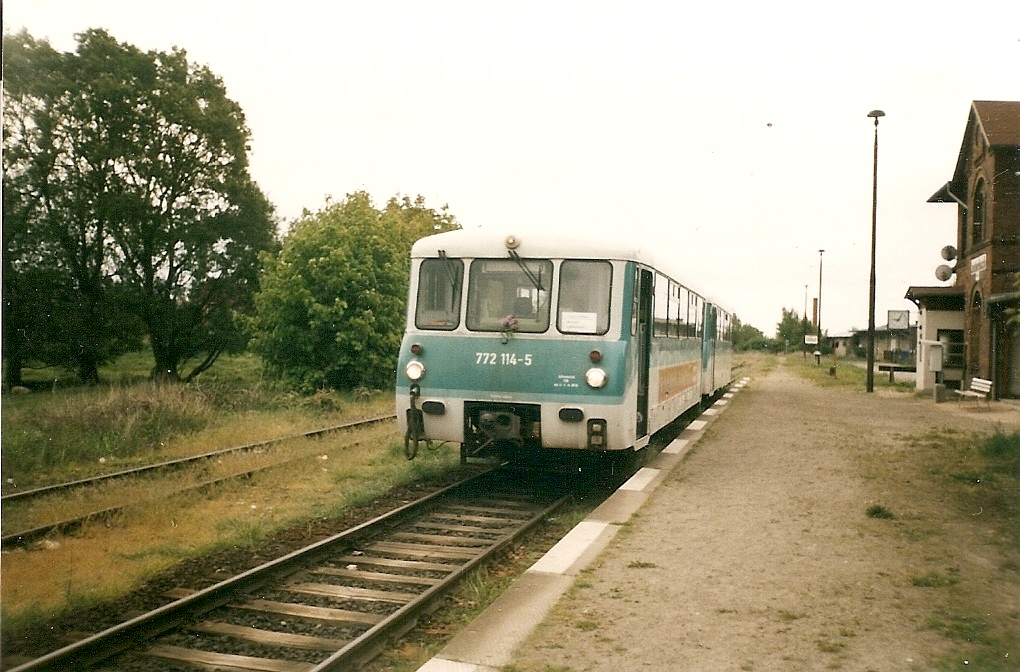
128	209
322	478
977	474
832	371
66	433
331	309
879	511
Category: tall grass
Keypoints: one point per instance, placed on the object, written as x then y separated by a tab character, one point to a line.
53	431
59	433
844	373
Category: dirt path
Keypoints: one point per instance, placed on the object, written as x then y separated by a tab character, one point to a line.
757	552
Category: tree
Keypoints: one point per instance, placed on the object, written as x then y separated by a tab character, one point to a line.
330	312
135	174
56	275
791	329
746	337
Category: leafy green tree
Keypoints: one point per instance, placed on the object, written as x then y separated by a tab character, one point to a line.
330	312
746	337
791	329
132	169
56	276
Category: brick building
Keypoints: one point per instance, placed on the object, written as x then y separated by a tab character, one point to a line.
971	317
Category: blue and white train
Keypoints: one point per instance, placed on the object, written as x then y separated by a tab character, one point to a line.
524	345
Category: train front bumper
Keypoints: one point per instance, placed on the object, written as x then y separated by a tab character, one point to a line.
545	424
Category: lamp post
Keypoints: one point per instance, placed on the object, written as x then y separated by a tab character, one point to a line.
819	325
804	324
874	114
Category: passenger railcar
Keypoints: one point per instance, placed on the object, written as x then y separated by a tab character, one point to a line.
532	343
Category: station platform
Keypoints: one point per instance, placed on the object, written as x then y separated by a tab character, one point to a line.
489	643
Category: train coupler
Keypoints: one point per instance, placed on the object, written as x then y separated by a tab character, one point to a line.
415	425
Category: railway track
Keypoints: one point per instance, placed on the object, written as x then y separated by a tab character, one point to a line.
66	525
182	462
331	605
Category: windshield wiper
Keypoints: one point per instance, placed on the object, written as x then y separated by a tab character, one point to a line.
452	275
537	282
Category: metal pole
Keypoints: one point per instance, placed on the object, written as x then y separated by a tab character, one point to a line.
819	325
874	228
804	324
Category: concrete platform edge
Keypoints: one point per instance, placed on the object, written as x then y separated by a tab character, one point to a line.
488	643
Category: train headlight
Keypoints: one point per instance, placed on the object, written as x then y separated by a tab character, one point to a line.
595	377
415	370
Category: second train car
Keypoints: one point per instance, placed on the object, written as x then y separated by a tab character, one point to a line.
528	344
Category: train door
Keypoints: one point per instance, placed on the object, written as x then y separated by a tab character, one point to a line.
708	350
643	323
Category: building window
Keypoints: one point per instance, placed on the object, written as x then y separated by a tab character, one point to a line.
952	347
977	227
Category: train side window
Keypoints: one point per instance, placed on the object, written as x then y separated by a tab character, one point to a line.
692	315
699	316
661	328
503	296
585	288
679	305
439	290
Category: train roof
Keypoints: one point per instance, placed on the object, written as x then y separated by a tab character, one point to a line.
533	243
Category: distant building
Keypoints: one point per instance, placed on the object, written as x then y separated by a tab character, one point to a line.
842	345
892	346
969	320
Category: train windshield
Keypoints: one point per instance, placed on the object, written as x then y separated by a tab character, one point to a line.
509	295
439	288
585	287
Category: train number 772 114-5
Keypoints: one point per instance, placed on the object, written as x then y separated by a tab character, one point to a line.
502	358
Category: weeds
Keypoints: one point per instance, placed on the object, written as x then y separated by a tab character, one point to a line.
641	564
1004	451
828	646
933	580
242	532
879	511
960	627
72	433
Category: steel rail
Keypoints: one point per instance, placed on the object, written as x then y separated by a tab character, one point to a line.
129	634
173	464
360	650
68	525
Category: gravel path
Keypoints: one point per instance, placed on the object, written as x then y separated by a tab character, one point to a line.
756	553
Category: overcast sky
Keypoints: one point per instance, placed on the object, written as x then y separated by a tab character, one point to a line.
735	134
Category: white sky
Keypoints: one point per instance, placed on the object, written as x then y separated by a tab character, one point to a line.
736	133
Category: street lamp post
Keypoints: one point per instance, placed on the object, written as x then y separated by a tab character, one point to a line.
819	325
874	114
804	324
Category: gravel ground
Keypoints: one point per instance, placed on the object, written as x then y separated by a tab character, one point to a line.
757	552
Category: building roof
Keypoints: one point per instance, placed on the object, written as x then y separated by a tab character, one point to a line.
936	298
999	120
998	123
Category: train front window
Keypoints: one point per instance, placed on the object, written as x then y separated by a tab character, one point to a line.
439	289
585	287
509	294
